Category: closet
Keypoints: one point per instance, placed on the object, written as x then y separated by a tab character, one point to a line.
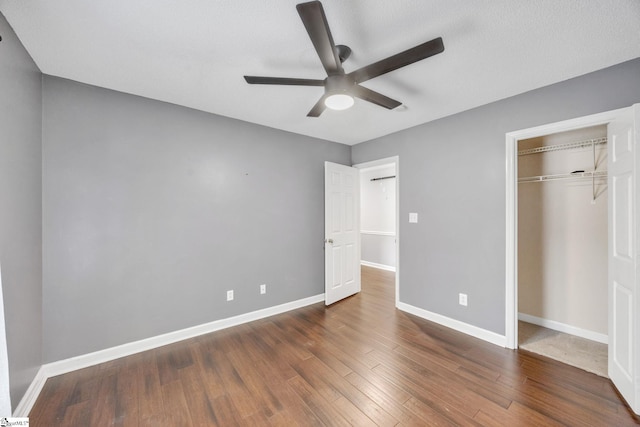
562	232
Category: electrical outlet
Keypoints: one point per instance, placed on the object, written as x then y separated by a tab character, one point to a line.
462	299
263	289
230	295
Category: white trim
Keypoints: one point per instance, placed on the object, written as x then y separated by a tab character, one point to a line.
78	362
378	233
378	164
511	243
5	390
511	289
563	327
378	266
32	393
457	325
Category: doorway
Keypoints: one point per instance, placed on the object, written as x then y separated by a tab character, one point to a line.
379	186
512	142
562	247
623	135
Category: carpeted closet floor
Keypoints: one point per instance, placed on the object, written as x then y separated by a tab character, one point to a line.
579	352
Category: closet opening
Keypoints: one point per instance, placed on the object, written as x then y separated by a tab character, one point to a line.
562	232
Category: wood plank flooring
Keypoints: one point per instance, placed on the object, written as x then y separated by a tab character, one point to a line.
358	362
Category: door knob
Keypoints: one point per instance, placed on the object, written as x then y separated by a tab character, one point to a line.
328	241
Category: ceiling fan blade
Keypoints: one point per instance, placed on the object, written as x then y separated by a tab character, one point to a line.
374	97
315	21
282	81
318	108
398	60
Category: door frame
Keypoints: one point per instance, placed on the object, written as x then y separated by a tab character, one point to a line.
511	252
395	160
5	390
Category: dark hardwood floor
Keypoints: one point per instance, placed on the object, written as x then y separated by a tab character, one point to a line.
358	362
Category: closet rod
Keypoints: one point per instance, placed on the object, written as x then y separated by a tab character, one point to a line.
567	146
384	177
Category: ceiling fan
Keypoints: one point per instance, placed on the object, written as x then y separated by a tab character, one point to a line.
341	87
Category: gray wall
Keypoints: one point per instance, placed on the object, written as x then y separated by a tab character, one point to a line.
453	175
153	211
20	209
378	249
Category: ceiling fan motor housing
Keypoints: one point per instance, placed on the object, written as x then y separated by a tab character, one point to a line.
339	83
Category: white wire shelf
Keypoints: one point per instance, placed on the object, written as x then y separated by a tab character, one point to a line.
565	176
567	146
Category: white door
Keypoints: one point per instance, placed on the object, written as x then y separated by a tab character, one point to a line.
624	196
342	232
5	396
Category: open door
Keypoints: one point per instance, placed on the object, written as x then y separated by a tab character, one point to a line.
624	233
342	231
5	396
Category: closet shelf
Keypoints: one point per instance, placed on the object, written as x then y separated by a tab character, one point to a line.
579	144
565	176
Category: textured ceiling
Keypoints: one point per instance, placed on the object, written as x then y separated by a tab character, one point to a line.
195	52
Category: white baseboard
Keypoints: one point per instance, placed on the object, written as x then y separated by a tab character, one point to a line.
30	396
457	325
78	362
376	265
562	327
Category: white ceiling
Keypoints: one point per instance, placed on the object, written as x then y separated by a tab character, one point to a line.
195	53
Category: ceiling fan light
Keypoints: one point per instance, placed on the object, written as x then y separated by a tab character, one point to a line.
339	101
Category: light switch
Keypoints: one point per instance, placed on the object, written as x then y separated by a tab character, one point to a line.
413	217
